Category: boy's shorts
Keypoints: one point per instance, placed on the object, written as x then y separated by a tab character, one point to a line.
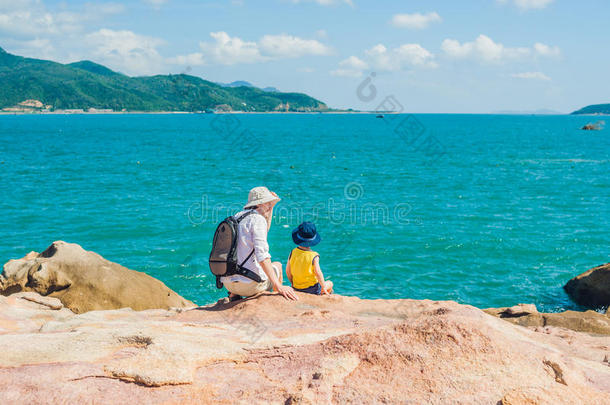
314	289
250	288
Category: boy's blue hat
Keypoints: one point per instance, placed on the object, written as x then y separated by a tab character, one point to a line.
306	235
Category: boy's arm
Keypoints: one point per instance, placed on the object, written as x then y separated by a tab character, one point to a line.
288	272
318	273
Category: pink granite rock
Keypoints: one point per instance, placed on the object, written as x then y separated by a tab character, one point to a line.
328	349
85	281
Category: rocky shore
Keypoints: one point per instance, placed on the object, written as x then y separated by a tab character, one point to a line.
328	349
85	281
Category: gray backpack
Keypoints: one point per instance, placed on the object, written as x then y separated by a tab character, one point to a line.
223	257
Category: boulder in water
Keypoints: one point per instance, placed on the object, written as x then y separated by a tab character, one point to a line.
591	288
594	126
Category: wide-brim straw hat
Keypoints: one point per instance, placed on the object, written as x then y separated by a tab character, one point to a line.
260	195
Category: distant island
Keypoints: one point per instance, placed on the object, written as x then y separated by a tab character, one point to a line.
542	111
597	109
34	85
241	83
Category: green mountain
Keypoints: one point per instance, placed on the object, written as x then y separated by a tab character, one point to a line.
87	84
93	67
594	109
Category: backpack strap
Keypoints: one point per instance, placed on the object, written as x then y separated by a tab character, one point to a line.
248	212
249	274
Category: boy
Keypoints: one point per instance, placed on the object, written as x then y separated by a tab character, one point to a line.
303	269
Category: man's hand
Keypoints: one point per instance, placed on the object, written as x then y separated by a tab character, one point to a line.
287	292
284	290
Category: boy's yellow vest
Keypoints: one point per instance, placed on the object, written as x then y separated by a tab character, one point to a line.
301	267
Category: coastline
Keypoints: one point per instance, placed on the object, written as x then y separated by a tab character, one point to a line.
285	113
190	112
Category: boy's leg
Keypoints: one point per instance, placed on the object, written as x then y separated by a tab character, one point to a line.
329	286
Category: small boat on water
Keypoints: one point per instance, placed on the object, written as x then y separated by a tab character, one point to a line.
379	115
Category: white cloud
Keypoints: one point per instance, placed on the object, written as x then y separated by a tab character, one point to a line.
407	55
546	50
354	63
381	58
41	48
26	20
230	51
126	51
528	4
415	21
192	59
288	46
531	76
227	50
30	24
350	67
485	49
12	5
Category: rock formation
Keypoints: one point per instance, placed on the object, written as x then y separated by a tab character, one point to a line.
84	281
598	126
591	288
528	315
321	349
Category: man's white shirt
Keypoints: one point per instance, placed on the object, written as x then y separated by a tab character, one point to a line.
251	234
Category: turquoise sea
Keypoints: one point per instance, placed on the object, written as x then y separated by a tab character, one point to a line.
487	210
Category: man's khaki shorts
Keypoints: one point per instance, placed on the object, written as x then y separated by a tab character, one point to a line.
250	288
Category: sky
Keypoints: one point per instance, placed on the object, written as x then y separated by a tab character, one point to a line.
469	56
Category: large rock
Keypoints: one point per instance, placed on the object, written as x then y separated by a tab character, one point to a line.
591	288
84	281
321	349
528	316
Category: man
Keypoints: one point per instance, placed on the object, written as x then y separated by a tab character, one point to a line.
253	249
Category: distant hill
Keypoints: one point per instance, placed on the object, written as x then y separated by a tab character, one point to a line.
542	111
238	83
594	109
85	84
242	83
94	68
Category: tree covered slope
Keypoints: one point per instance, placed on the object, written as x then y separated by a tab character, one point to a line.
594	109
86	85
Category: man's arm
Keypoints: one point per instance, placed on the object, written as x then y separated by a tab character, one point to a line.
288	272
284	290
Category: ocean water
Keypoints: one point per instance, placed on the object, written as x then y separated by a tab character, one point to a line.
482	209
